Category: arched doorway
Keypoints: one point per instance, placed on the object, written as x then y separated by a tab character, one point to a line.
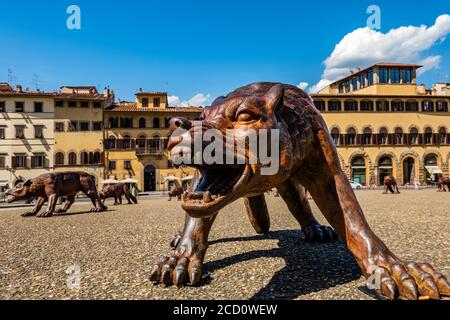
432	170
408	170
359	170
149	178
384	168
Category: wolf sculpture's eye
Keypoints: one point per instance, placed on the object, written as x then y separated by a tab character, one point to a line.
244	117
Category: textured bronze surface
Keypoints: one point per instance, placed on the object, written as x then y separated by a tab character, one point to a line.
390	183
117	190
308	158
444	183
50	186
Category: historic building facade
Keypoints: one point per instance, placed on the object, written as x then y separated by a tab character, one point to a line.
383	123
136	137
26	134
79	131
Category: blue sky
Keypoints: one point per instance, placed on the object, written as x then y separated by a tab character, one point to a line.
190	47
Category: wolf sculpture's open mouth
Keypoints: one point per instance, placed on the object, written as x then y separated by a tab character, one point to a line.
213	188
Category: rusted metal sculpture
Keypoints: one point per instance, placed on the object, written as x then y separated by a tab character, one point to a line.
117	190
390	183
50	186
444	183
176	191
308	158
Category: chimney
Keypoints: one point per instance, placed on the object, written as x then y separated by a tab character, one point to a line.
19	88
106	92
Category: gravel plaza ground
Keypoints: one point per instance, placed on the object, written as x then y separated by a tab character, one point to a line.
115	250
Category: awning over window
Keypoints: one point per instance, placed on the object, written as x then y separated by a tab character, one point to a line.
433	169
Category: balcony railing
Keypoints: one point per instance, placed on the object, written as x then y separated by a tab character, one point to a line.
391	139
154	146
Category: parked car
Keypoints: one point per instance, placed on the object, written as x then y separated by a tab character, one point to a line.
356	185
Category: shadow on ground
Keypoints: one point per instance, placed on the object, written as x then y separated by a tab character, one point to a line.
310	267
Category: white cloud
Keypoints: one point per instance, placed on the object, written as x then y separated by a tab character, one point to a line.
199	99
364	47
303	85
173	100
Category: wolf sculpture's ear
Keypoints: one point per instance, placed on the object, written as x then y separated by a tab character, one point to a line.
273	96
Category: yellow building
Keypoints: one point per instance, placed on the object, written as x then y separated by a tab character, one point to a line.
79	129
26	134
383	123
136	137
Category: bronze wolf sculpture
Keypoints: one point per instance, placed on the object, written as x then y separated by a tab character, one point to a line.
308	158
176	191
50	186
390	183
443	182
117	190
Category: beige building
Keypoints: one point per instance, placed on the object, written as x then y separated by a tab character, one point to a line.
383	123
26	134
79	129
136	137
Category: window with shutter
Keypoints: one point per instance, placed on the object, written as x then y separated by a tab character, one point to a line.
39	132
20	132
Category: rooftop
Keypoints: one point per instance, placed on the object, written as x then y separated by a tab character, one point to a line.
132	107
379	64
151	93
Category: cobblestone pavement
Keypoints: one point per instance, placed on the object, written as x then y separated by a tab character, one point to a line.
114	251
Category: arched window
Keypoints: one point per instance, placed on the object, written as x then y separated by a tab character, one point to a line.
413	136
384	168
431	168
335	134
141	141
156	123
84	158
383	136
72	158
126	142
428	136
398	136
167	122
110	143
113	122
367	136
59	159
141	122
359	170
155	142
97	157
127	122
442	135
382	105
427	106
351	136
